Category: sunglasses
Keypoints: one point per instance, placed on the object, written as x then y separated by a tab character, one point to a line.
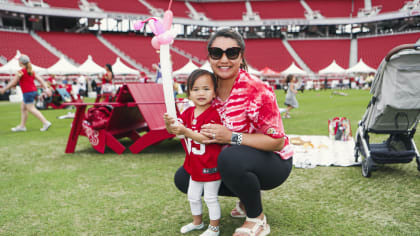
231	53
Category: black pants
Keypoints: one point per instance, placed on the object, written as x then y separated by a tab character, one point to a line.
245	171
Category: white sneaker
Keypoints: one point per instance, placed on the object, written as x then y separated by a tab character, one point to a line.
210	232
18	129
46	126
190	227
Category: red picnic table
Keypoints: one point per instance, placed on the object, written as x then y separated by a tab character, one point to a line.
137	113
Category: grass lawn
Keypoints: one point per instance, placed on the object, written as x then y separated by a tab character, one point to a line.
44	191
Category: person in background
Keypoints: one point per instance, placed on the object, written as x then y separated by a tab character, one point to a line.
291	101
158	73
260	157
26	79
107	85
200	160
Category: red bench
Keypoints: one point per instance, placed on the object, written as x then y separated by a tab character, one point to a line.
137	113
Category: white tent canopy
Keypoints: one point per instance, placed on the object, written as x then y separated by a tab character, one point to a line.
186	69
333	68
207	66
253	71
361	67
63	67
12	66
89	67
119	68
294	70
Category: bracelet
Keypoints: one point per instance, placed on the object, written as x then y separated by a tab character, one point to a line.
236	138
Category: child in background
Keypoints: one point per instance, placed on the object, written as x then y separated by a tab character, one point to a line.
200	160
291	101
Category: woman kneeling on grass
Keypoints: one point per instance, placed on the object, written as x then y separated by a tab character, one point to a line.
200	160
260	157
25	78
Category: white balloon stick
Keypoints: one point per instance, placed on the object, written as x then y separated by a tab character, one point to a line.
168	89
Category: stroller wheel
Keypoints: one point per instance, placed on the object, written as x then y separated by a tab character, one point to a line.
356	154
366	167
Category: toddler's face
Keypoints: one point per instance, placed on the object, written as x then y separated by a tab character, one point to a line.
202	91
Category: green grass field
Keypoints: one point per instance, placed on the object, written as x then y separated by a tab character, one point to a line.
44	191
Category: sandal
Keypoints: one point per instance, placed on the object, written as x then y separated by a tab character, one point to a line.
237	212
259	224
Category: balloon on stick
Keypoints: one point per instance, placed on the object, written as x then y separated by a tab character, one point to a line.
163	37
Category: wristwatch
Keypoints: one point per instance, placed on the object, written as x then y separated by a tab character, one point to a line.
236	138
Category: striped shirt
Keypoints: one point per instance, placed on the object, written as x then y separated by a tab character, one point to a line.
252	108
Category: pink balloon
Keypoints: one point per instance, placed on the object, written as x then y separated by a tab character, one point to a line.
155	43
167	19
159	27
165	38
138	25
152	27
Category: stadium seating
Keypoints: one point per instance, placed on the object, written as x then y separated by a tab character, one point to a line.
140	49
270	53
317	54
221	10
329	8
196	48
373	49
63	3
12	41
128	6
388	6
178	7
278	9
87	44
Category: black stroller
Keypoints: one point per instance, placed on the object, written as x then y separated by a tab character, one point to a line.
394	109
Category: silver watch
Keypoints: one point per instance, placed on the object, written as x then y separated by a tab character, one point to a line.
236	138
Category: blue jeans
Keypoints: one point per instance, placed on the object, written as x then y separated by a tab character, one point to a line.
29	97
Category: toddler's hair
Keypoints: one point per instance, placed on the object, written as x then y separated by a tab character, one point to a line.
289	78
197	74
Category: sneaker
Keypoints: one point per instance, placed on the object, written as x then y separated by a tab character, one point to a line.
190	227
46	126
211	232
18	129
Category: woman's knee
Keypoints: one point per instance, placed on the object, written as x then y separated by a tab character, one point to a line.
229	163
181	179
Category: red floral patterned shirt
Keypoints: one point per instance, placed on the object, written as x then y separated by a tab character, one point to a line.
252	108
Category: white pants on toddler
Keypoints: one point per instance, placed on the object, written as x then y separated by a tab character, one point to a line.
211	190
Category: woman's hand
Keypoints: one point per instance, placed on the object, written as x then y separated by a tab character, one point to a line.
2	90
216	133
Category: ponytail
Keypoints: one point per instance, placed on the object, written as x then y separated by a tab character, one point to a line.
28	67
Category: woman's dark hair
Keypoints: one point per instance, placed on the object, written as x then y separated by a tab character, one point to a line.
289	78
110	69
197	74
229	33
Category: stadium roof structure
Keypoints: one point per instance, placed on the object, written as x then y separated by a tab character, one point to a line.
78	13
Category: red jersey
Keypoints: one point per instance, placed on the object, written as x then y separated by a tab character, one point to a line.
104	81
252	108
26	81
200	159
